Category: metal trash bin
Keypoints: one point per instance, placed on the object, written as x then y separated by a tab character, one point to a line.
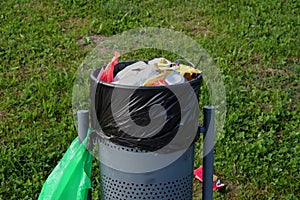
174	181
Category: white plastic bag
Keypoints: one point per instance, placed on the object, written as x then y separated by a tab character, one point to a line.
135	74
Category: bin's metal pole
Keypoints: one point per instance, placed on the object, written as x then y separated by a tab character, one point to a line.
208	153
83	124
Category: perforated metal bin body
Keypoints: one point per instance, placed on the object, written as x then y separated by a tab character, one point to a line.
172	182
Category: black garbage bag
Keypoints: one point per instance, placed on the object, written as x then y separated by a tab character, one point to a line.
148	118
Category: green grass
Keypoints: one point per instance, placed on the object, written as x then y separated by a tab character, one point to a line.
255	44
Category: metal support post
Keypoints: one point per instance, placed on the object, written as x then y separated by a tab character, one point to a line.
208	153
83	124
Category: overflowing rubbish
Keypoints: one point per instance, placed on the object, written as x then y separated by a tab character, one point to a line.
139	87
156	72
217	185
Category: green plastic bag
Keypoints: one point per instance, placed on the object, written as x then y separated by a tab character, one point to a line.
71	178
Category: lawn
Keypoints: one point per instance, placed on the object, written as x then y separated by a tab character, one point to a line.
255	44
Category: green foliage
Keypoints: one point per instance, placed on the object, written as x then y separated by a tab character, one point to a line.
255	44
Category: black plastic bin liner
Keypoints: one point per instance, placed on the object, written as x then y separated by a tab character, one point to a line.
114	107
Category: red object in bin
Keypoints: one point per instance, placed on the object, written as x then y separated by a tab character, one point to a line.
217	185
108	74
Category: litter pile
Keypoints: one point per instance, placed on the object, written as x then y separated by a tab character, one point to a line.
156	72
217	185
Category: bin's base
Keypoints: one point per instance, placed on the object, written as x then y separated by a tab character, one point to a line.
174	182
